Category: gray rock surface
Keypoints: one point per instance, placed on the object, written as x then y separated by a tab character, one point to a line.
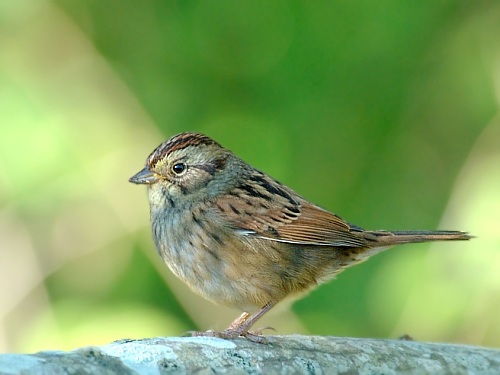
282	355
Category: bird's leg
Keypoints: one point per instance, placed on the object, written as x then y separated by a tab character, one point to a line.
241	326
238	321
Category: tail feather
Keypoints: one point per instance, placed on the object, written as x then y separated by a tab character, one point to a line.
386	238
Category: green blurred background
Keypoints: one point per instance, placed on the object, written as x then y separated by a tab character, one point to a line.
384	112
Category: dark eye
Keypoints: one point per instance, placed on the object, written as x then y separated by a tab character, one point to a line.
179	168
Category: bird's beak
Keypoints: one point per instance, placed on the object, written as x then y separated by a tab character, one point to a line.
144	177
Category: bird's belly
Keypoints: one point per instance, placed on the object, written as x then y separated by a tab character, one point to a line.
220	267
214	277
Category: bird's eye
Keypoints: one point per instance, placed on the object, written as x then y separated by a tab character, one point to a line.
179	168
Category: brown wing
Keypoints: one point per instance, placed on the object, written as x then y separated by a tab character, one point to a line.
319	227
288	219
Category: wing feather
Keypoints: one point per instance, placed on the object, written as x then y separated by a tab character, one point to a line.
316	226
272	211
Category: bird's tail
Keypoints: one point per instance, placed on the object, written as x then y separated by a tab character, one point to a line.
386	238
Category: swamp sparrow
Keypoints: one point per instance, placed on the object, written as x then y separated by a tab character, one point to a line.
240	238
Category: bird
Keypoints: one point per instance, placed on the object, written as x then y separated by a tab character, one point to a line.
240	238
